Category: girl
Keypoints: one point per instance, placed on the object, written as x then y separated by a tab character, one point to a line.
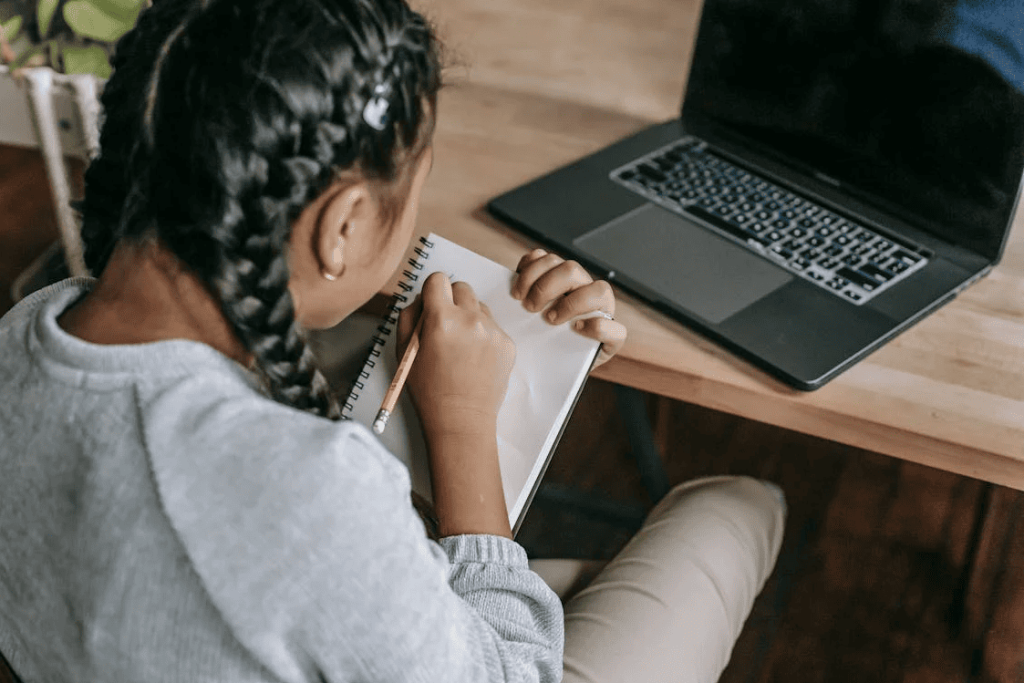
179	500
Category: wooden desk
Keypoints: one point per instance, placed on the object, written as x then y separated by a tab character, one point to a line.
538	84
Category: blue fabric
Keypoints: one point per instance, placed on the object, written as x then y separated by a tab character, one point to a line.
992	30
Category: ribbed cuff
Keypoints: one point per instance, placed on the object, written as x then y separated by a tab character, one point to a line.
484	548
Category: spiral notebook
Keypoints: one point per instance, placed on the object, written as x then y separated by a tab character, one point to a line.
552	364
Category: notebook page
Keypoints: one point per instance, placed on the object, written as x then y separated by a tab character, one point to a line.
552	363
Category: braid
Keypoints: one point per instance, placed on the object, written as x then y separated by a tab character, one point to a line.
233	135
111	200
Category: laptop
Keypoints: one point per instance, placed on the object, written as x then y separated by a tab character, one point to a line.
838	171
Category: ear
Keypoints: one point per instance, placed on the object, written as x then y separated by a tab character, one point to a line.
347	218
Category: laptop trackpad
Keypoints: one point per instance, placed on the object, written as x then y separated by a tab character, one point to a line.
683	263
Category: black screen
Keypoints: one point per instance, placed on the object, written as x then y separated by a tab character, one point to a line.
916	104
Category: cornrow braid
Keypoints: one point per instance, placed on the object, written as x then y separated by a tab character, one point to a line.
229	134
111	192
154	79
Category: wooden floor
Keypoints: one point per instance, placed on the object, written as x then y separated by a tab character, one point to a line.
875	550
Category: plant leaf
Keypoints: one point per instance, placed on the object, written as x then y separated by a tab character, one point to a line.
90	59
44	15
88	21
124	10
11	28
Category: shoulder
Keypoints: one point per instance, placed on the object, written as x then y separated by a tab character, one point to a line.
295	526
214	435
57	295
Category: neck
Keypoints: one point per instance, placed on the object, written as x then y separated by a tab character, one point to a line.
145	295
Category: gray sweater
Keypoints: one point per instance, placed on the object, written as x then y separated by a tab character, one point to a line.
161	520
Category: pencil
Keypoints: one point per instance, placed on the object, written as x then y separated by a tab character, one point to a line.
395	389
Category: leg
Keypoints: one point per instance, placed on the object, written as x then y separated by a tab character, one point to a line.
671	604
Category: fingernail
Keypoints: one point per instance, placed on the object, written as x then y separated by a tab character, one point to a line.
552	315
579	324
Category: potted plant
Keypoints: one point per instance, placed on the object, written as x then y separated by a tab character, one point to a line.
54	58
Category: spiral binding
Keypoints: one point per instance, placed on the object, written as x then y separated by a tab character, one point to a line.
388	323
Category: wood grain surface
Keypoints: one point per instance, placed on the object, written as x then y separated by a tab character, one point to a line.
534	85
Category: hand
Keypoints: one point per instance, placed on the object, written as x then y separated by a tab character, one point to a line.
458	383
563	290
460	376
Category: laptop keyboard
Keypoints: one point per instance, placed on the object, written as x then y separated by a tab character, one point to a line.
829	250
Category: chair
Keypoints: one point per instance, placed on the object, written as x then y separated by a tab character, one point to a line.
64	112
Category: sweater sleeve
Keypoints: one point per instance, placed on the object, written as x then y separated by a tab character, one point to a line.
302	535
491	575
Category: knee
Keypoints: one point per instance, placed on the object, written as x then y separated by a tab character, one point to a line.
750	512
745	494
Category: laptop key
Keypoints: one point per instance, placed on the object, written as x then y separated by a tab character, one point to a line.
837	283
858	278
651	173
724	225
907	257
877	273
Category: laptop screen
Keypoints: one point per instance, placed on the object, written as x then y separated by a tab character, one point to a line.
917	104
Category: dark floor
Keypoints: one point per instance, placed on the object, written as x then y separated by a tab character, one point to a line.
874	556
875	550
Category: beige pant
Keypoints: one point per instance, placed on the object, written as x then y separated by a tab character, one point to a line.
670	605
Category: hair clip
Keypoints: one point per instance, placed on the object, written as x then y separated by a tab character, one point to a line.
375	113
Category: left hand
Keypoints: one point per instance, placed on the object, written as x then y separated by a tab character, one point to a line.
563	290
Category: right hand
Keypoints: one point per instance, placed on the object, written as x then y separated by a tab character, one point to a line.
459	378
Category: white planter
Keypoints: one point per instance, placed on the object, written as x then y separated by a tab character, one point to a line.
16	121
60	115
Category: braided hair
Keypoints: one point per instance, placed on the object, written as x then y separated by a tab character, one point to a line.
225	118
